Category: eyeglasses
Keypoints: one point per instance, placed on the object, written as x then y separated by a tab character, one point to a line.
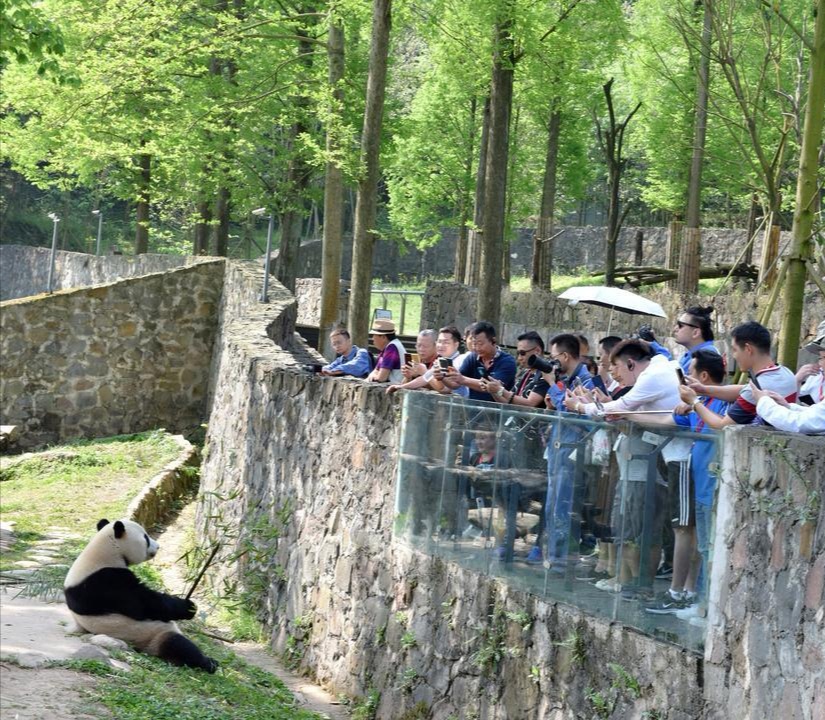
522	353
681	324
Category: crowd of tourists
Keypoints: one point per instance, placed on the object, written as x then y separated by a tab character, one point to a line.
619	378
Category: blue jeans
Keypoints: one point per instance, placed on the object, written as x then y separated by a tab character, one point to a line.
704	516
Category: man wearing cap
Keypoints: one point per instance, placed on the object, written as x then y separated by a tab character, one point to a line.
391	352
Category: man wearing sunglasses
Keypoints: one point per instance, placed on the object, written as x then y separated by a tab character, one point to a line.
530	387
693	331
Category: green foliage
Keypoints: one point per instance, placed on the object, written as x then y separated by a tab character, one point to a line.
625	682
408	640
366	707
601	706
577	647
154	689
408	680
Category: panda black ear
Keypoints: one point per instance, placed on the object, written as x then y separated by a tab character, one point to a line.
102	523
120	529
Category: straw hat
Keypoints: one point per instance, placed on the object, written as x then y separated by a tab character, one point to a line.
380	326
818	342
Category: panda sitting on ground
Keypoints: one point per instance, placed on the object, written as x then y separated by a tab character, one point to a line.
106	598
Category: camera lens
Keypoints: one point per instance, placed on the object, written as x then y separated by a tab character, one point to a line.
542	365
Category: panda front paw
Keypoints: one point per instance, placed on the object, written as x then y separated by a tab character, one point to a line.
210	665
189	609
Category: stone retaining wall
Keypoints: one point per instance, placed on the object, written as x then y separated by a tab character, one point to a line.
109	359
24	270
765	656
298	482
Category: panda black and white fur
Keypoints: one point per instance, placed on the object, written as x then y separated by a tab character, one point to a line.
106	598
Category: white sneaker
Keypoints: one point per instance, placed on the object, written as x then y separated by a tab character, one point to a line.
691	611
610	585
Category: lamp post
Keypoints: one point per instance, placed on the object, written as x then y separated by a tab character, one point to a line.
55	220
260	212
99	229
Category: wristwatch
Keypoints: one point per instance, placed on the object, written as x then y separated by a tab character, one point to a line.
698	400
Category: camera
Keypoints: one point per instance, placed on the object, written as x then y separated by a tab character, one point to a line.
539	363
313	368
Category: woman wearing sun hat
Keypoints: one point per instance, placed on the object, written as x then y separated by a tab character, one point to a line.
390	352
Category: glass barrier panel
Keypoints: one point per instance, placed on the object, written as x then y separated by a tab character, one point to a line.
570	508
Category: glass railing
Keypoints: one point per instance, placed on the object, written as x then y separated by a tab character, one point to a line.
561	506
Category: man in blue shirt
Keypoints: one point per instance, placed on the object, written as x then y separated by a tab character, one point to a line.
561	469
350	360
693	331
691	507
487	360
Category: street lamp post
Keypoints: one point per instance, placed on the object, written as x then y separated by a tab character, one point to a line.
260	213
99	229
50	283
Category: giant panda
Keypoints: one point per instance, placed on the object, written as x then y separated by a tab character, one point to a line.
106	598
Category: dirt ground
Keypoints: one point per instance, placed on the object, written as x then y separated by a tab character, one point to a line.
33	633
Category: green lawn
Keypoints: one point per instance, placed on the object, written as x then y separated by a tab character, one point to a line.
72	486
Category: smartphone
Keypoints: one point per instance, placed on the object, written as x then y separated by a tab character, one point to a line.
681	374
445	363
407	358
415	358
576	383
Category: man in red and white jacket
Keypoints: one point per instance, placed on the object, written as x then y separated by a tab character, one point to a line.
752	351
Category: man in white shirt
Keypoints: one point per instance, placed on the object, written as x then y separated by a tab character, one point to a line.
776	411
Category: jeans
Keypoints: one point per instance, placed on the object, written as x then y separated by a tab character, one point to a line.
703	524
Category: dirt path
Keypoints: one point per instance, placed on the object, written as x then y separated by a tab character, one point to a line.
33	632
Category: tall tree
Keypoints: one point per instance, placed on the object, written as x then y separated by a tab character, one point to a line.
807	189
365	208
611	141
333	190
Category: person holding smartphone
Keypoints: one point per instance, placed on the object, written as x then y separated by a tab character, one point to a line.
446	347
487	360
530	388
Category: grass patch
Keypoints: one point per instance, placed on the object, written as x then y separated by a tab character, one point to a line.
155	690
72	486
412	303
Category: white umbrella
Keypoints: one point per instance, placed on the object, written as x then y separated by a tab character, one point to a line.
613	298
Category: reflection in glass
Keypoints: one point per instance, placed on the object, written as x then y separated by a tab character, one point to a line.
562	506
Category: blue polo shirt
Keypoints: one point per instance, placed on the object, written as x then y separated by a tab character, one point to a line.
703	452
684	361
557	393
356	362
502	369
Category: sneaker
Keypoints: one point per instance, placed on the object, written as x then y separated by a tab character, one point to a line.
534	557
688	612
665	571
666	604
610	585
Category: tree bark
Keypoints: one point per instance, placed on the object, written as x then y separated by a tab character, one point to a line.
142	210
611	142
474	236
298	175
365	208
495	176
688	281
801	248
222	209
200	245
541	271
333	198
463	213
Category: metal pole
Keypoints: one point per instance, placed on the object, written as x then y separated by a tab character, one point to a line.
51	260
99	231
265	292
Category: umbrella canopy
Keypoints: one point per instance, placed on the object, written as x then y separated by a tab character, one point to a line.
613	298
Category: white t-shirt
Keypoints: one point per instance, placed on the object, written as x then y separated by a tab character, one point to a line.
656	388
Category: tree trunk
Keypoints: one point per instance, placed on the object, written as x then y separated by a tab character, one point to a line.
495	176
674	246
638	255
461	245
474	236
333	198
142	213
801	248
298	174
689	257
541	274
222	208
200	245
365	208
611	142
747	258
